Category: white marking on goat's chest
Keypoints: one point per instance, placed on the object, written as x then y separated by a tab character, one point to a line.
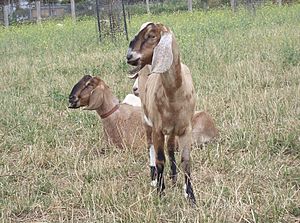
133	100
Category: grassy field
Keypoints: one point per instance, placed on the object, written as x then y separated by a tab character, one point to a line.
54	165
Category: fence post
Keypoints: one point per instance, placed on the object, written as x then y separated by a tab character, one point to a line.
148	8
233	4
30	12
73	9
38	12
98	18
124	18
5	14
190	5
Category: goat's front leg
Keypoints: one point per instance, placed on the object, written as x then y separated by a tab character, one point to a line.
158	141
185	142
171	152
151	155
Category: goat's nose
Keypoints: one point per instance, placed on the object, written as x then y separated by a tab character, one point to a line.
129	56
72	98
135	91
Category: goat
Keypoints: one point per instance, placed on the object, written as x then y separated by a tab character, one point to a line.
204	129
122	123
169	100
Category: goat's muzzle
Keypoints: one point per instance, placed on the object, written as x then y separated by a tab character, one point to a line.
73	101
135	91
133	62
133	57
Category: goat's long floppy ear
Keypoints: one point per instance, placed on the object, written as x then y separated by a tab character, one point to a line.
163	55
96	99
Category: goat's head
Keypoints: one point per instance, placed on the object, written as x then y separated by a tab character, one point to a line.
88	93
152	45
135	87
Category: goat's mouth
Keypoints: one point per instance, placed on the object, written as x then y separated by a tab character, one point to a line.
73	105
73	102
133	62
134	72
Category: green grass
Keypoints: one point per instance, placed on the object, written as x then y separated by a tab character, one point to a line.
55	166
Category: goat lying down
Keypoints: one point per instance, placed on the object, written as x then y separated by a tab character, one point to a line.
130	132
169	100
122	123
204	129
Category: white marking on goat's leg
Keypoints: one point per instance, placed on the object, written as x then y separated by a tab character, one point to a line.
185	194
185	145
153	183
185	160
152	155
152	166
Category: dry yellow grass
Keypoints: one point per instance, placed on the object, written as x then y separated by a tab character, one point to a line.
55	167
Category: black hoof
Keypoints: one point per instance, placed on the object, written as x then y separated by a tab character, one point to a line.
189	194
153	173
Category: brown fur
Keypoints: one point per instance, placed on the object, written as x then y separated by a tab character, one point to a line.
169	99
203	126
123	128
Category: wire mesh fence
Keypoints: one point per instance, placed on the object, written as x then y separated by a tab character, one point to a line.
19	12
111	18
25	11
111	15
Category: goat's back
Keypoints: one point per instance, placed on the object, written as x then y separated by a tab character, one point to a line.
204	128
125	128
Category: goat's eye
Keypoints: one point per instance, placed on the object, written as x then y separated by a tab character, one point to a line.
151	37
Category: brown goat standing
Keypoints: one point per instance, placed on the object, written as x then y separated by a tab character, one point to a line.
204	129
169	101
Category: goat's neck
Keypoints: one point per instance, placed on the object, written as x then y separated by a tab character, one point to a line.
109	102
172	79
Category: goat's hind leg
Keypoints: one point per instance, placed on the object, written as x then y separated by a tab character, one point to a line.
185	142
171	152
158	141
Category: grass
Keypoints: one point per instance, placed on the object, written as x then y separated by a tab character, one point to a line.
55	166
